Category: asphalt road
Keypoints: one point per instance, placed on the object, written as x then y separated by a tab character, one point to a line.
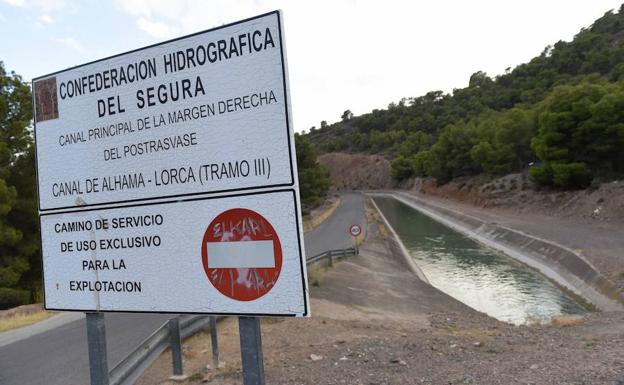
333	233
59	356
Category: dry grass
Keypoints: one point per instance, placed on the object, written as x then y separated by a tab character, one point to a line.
20	320
311	223
374	217
383	230
315	276
567	320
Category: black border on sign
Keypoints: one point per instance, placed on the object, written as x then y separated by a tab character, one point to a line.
286	108
299	243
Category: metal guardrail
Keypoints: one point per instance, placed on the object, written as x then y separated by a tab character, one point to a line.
331	255
129	370
169	335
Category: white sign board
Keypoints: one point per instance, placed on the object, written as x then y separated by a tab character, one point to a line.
149	258
204	113
167	179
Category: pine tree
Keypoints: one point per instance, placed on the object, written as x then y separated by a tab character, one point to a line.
19	241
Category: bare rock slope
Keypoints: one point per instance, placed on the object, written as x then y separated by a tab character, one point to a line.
515	192
357	171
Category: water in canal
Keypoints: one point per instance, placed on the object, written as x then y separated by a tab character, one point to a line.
480	277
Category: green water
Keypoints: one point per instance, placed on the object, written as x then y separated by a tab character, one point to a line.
482	278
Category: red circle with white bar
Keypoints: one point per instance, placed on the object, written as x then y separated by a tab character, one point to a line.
241	254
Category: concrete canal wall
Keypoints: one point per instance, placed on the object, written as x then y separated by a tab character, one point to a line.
557	262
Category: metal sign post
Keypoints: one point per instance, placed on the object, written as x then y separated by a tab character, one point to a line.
251	350
176	349
96	336
214	342
355	230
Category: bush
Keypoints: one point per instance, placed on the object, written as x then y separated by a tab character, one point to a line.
401	168
419	163
313	184
541	175
571	175
313	177
563	175
13	297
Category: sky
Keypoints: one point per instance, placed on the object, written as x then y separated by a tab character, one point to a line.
351	54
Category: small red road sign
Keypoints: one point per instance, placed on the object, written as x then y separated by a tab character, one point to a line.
355	230
241	254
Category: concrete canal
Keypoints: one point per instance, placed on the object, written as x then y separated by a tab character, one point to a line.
482	278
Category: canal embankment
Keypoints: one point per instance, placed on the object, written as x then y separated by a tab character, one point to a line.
374	322
558	262
381	280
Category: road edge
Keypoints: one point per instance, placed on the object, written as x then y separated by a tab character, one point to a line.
315	221
57	320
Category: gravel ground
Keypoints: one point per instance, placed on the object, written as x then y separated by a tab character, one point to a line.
453	348
363	337
370	341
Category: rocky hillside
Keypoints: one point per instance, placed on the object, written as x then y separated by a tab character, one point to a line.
518	193
558	118
514	191
357	171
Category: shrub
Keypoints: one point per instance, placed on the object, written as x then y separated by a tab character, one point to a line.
570	175
542	174
419	163
13	297
401	168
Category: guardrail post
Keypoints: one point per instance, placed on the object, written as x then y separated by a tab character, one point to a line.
330	262
214	342
251	350
96	337
175	343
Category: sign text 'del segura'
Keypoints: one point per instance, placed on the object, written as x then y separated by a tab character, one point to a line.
185	117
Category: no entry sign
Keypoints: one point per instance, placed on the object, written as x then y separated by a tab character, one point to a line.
168	180
242	254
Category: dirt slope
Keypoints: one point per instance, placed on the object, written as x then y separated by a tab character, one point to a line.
517	193
357	171
514	192
406	333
